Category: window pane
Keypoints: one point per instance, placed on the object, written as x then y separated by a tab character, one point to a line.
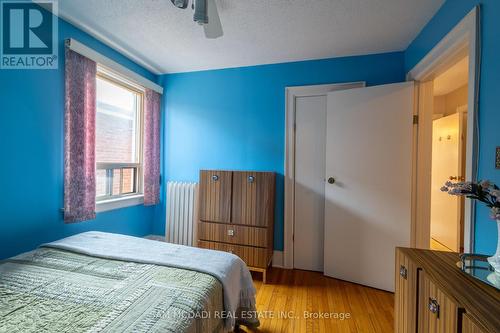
116	123
118	136
128	180
115	190
101	183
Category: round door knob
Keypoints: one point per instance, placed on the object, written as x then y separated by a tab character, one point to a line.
331	180
215	178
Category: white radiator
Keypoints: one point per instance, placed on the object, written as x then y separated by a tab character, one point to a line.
182	201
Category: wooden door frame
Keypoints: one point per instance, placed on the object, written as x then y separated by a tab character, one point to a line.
291	94
462	40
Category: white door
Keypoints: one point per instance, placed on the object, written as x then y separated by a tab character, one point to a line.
369	158
309	210
309	170
446	164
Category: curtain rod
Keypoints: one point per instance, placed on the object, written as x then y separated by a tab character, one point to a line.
86	51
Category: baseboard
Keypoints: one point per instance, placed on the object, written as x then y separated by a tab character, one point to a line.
278	259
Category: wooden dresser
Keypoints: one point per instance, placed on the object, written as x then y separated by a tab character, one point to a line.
236	214
434	295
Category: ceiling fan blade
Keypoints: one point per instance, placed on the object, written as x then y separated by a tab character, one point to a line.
200	12
213	29
180	3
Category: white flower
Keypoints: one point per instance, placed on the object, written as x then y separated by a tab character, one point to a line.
495	213
485	183
463	186
496	194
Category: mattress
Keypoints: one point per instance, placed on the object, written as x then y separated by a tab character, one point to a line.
53	290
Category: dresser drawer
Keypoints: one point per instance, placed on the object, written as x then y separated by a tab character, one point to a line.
228	233
252	256
437	312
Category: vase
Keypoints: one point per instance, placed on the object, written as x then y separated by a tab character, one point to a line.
495	259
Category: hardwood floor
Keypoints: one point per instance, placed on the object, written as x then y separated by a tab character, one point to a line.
289	295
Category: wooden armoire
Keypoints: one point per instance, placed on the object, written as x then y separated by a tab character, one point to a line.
236	215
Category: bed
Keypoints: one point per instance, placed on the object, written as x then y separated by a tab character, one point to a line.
100	282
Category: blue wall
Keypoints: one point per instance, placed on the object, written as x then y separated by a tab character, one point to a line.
31	168
489	107
235	118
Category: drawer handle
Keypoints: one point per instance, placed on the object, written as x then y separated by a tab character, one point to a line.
215	178
251	179
230	232
403	271
434	306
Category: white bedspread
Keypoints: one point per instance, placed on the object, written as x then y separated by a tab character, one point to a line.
229	269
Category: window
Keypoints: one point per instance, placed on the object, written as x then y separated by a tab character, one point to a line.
118	138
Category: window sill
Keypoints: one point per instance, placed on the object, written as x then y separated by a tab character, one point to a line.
112	204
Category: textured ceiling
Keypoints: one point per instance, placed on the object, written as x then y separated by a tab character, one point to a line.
166	40
453	78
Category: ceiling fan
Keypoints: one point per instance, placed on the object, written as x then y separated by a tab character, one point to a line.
205	14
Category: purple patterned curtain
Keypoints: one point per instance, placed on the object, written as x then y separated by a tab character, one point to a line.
79	138
151	147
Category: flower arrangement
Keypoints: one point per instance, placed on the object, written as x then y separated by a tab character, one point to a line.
489	194
484	191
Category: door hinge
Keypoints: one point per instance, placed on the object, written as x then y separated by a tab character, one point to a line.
415	119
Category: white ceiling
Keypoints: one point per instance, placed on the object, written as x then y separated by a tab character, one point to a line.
453	78
166	40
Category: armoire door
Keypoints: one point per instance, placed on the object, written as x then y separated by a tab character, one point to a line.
215	196
253	198
369	149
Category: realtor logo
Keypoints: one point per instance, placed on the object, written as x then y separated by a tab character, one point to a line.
29	34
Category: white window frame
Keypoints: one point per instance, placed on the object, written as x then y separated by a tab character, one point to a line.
136	198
